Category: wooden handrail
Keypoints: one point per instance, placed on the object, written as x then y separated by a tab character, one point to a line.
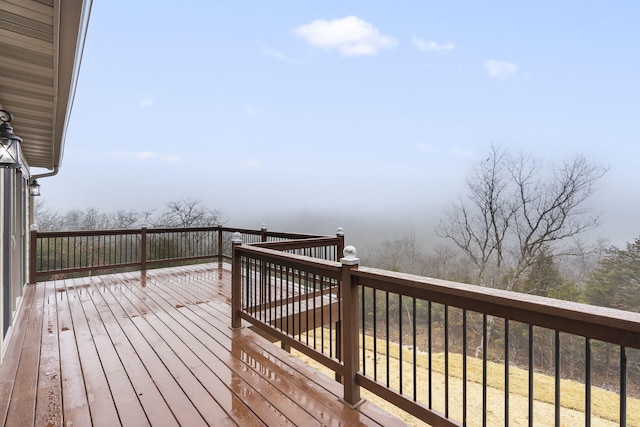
601	323
64	241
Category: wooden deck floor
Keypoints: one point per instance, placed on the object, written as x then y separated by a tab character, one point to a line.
121	349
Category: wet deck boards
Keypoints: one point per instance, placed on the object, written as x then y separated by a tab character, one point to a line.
124	349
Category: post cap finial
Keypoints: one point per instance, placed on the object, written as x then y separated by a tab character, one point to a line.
340	231
263	226
350	258
236	238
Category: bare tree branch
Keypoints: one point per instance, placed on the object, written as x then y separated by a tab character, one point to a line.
514	212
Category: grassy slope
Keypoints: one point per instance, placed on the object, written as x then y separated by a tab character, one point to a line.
604	407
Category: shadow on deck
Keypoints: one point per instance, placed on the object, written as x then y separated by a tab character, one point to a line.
125	349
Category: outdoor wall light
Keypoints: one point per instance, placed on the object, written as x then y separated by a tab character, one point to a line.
9	143
34	188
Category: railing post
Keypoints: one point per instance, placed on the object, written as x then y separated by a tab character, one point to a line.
143	249
339	250
33	254
220	248
340	246
236	281
263	232
350	326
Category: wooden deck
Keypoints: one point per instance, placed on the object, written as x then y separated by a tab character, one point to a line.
123	349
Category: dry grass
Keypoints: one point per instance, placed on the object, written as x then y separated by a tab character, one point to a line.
604	407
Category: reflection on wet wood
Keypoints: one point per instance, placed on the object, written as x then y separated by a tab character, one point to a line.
124	349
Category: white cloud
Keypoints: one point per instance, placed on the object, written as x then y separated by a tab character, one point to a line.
252	163
350	36
500	69
431	46
146	102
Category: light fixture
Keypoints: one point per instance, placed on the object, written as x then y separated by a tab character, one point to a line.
34	188
9	143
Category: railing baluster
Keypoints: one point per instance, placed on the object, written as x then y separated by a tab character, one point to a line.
264	282
248	302
290	283
623	386
464	367
41	245
485	345
69	252
400	367
375	334
415	350
506	373
306	306
284	294
315	312
430	356
363	312
587	382
55	247
530	375
262	300
556	354
446	361
321	313
330	299
306	283
386	299
339	323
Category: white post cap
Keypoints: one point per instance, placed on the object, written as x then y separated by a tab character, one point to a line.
350	258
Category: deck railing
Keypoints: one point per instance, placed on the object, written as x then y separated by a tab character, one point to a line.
63	253
446	352
290	291
443	351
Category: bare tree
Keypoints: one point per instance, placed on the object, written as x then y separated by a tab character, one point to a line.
89	219
126	219
73	219
515	211
47	219
186	213
93	219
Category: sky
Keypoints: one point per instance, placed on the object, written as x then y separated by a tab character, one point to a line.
361	114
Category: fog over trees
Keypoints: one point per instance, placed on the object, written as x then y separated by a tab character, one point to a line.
519	228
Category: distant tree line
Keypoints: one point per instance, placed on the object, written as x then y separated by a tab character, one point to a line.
180	213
